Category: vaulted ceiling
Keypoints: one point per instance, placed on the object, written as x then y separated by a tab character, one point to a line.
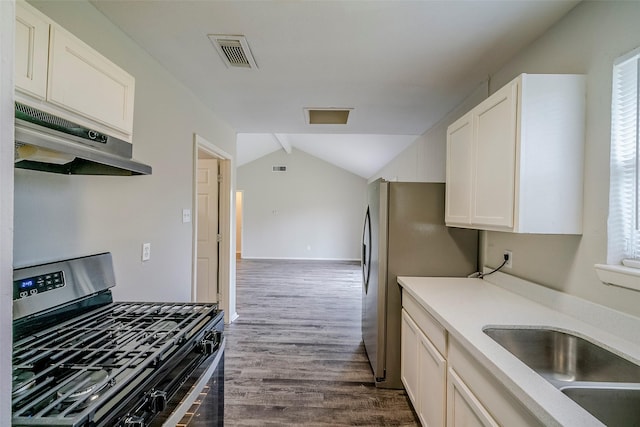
400	66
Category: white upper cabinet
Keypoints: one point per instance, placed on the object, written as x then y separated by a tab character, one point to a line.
32	51
492	194
515	162
87	83
458	190
58	73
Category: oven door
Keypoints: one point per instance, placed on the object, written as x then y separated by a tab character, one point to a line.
176	388
206	384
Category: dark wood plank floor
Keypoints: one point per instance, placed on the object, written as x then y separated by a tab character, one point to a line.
295	355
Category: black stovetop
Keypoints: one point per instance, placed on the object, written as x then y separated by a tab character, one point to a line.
79	369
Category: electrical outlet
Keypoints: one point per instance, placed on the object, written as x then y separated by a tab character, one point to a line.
509	263
146	251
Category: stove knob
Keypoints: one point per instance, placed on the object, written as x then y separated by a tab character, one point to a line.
134	421
210	342
158	401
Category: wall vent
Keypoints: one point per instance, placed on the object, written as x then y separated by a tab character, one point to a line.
279	168
234	50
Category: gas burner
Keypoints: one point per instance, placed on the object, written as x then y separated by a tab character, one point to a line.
163	331
22	381
88	384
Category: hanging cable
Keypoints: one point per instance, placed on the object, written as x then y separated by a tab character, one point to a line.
481	275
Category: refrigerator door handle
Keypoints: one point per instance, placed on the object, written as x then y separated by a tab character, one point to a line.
366	256
364	251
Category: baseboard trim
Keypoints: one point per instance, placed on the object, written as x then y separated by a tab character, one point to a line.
300	259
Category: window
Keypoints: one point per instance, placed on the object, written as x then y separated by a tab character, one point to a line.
624	209
623	249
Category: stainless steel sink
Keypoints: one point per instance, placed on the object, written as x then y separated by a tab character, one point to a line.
561	357
612	406
603	383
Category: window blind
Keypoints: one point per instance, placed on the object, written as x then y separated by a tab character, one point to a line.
624	221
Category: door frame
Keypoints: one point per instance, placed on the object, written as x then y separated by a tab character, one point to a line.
226	209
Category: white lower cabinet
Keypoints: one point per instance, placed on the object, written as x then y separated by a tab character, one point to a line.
447	386
490	403
463	408
424	373
409	354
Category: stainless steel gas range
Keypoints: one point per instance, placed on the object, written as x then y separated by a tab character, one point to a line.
80	359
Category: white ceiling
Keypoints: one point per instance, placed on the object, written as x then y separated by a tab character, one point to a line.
401	65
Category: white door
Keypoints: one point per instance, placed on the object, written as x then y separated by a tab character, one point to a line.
207	263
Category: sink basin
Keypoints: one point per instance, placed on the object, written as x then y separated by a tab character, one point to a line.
561	357
612	406
603	383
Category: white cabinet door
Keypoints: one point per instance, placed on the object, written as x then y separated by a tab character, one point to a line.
32	51
409	357
463	408
423	372
493	196
459	167
85	82
432	377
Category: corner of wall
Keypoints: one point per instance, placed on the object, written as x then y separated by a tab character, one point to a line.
7	25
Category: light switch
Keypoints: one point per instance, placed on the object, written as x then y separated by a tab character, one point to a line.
186	215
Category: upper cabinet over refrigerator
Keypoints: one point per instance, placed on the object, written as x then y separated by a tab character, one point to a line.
515	162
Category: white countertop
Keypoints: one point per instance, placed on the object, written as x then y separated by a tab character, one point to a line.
465	306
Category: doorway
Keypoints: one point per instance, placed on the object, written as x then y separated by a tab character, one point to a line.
239	205
213	274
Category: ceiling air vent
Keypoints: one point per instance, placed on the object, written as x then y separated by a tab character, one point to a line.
234	50
279	169
327	116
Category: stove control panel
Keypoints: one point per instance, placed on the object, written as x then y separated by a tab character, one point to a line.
24	288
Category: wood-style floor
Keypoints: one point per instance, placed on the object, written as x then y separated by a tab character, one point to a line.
295	355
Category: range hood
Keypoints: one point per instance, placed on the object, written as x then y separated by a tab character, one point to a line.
48	143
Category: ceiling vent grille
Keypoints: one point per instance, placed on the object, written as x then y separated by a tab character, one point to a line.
279	169
327	116
234	50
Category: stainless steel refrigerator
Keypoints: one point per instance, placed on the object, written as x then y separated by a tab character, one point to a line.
404	235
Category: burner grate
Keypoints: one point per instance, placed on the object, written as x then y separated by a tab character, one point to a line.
113	346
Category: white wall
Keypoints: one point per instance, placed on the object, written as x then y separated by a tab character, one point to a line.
7	13
425	159
586	41
312	211
64	216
